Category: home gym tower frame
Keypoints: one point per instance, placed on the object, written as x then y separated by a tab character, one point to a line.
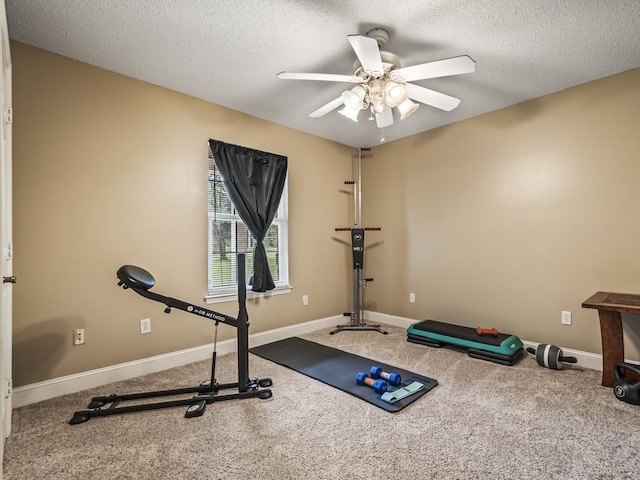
357	246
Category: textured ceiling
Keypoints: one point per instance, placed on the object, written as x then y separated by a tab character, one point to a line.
229	52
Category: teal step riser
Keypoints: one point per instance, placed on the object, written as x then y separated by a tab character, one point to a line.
508	347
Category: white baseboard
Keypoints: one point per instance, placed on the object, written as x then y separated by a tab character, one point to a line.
375	317
55	387
589	360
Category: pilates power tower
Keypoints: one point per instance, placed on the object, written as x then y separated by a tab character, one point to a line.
357	247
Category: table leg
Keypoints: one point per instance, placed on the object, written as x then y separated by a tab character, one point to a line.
612	344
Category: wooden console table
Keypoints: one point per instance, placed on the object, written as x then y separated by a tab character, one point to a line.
609	306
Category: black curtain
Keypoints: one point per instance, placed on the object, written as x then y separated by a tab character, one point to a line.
254	181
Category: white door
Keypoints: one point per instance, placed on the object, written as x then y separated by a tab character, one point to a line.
6	262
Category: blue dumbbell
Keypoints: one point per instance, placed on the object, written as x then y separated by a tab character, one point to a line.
393	378
379	386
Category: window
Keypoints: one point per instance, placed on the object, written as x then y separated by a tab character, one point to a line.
227	236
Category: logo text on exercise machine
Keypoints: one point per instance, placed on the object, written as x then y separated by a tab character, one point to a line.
206	313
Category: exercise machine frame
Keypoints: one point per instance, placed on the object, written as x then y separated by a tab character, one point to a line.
140	281
357	246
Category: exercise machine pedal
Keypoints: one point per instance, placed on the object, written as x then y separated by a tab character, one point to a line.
79	417
99	402
196	409
264	394
265	382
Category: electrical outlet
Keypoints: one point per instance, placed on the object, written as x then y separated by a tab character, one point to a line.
305	299
145	325
412	298
78	336
566	318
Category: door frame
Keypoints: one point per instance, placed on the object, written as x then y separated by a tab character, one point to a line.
6	261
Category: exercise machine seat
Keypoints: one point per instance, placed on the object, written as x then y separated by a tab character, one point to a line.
135	277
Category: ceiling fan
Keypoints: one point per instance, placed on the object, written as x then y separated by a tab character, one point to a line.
382	84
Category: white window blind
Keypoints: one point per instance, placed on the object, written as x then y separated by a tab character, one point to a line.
228	235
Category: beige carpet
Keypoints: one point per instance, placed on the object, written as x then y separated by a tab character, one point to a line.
483	421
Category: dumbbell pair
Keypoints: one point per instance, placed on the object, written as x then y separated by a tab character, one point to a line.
377	379
393	378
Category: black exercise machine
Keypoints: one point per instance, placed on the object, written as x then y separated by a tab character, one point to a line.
357	322
359	283
140	281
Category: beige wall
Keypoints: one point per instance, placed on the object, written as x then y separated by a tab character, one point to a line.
509	218
108	171
503	220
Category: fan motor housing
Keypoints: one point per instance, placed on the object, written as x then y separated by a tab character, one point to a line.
380	35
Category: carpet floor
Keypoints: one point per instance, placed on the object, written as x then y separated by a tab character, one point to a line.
483	421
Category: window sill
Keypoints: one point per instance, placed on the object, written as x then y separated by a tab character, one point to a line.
233	296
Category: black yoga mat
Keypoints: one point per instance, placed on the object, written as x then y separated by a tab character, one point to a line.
338	369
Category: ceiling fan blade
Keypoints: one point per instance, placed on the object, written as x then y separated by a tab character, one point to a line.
332	105
326	77
368	53
431	97
440	68
385	118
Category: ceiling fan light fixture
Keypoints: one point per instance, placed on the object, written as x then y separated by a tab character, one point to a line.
350	113
406	108
376	91
394	93
354	98
377	108
382	83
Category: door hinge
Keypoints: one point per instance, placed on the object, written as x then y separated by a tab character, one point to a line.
10	115
9	388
